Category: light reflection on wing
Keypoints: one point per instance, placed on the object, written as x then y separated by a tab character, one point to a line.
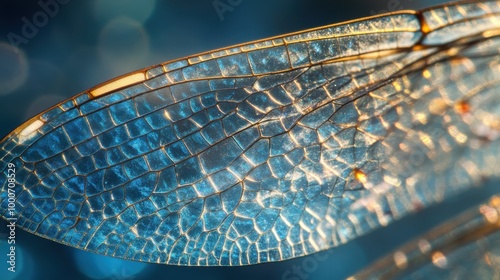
465	247
269	150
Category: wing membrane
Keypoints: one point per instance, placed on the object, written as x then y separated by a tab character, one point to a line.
463	247
269	150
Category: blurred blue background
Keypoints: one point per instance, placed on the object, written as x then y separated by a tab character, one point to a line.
50	50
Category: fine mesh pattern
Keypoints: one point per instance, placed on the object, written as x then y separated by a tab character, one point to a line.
269	150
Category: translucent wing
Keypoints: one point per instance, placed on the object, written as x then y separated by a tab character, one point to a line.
465	247
269	150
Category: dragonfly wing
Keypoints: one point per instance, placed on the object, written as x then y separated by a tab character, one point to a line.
269	150
466	246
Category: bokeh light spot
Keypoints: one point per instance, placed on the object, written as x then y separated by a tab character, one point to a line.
13	68
105	9
123	45
100	267
23	264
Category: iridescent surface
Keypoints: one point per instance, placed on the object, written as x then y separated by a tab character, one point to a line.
271	150
465	247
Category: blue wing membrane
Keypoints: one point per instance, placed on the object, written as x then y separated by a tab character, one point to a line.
269	150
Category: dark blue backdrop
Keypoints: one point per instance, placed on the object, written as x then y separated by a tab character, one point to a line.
83	43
